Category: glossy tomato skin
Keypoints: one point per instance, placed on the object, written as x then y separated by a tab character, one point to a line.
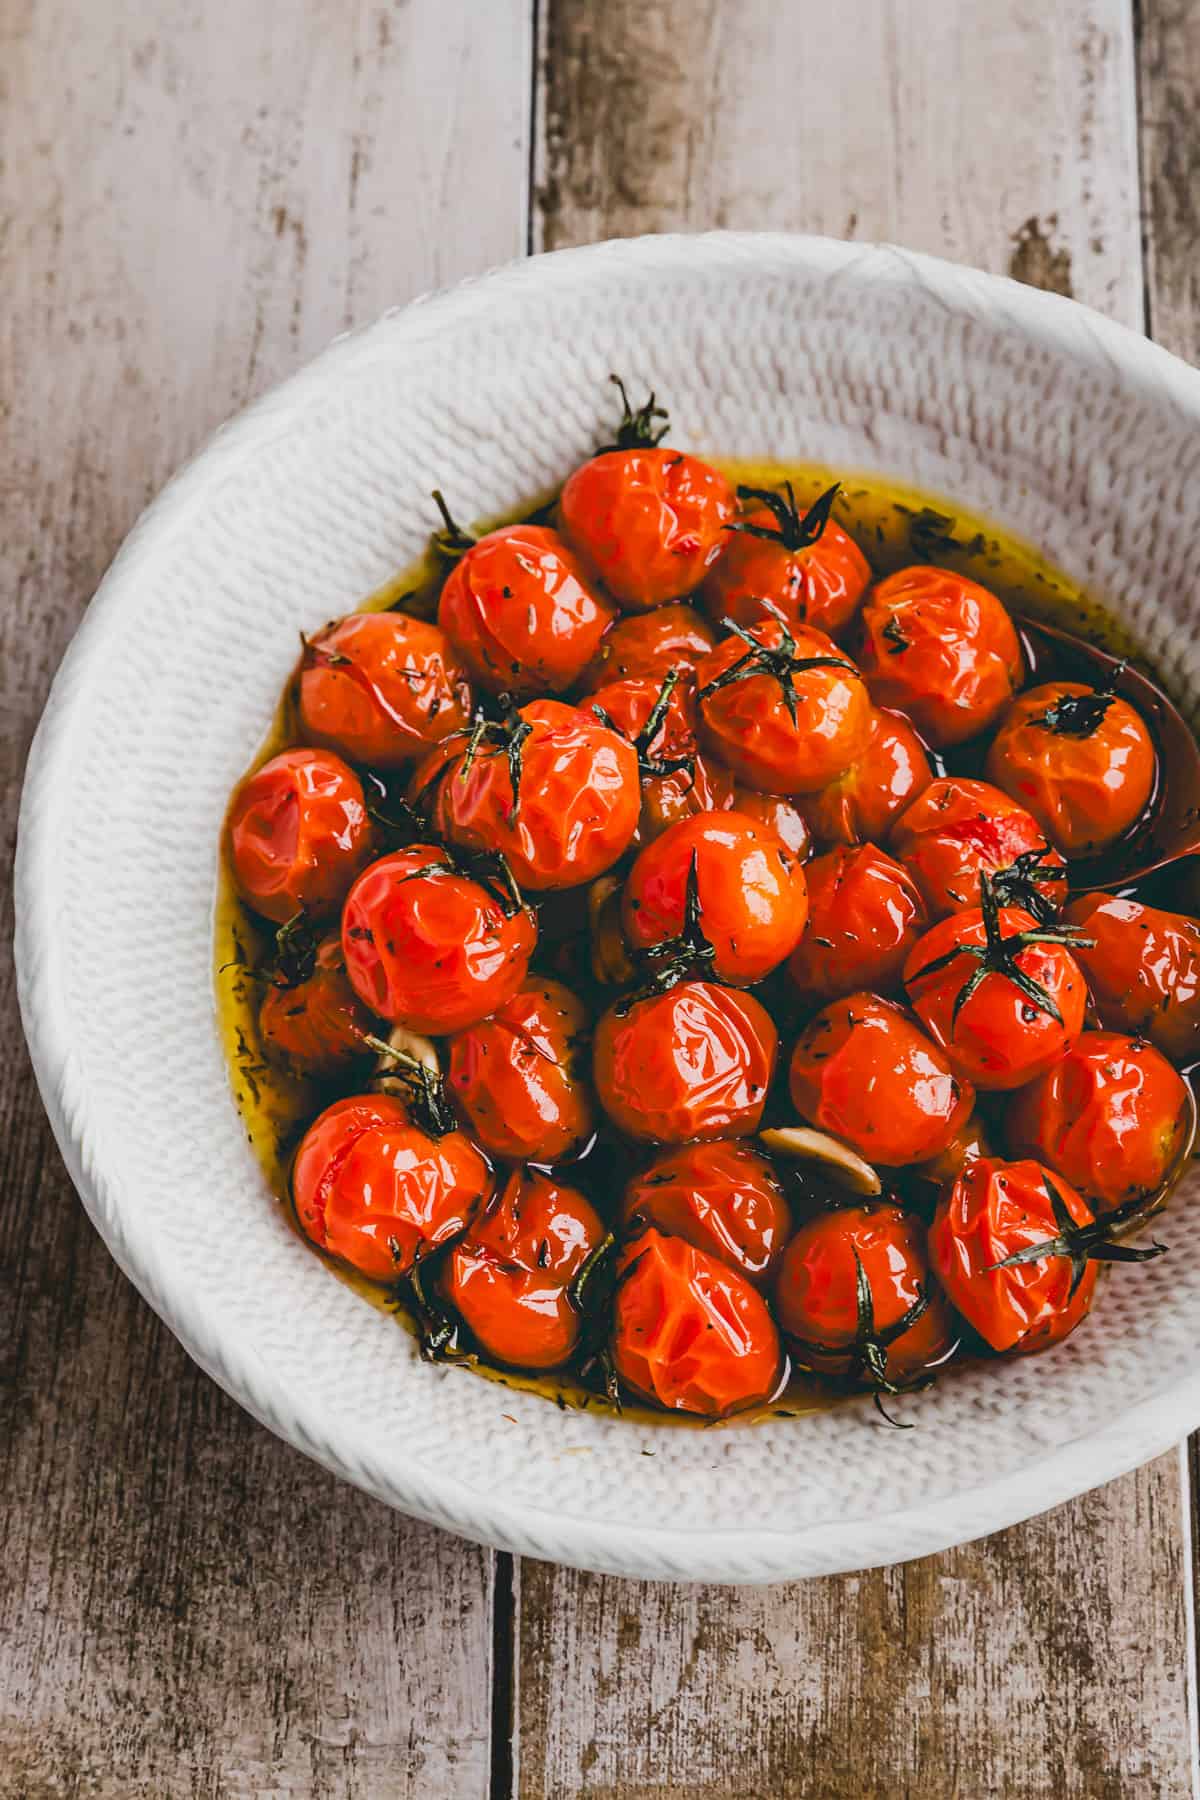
316	1026
723	1197
820	585
689	1064
521	1076
429	948
778	814
748	726
859	805
865	913
1085	783
522	612
863	1071
994	1209
690	1333
298	834
377	1192
647	646
1000	1039
647	522
1144	970
510	1276
382	688
957	827
942	649
752	893
665	798
1112	1118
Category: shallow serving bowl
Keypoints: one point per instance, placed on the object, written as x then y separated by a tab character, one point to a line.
1071	432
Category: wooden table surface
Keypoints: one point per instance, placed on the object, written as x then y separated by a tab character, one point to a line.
197	194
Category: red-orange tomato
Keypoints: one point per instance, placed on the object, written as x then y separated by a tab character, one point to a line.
510	1276
817	1303
1112	1118
522	612
690	1333
694	1062
865	913
382	688
376	1191
817	584
746	719
722	1197
864	1072
704	786
751	892
942	649
429	948
958	827
993	1210
520	1076
859	805
780	815
298	834
316	1026
1002	1035
1082	762
647	646
648	522
1143	970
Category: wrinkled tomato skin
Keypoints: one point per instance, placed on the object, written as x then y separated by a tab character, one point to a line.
647	646
779	815
820	585
315	1027
509	1277
298	834
1000	1039
522	612
375	1191
722	1197
958	827
647	522
429	948
994	1209
1144	971
749	728
691	1334
1085	792
859	805
753	894
1112	1118
693	1063
864	1072
865	913
942	649
382	688
520	1076
665	798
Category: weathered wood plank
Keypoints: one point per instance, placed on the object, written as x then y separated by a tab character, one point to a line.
1169	96
197	196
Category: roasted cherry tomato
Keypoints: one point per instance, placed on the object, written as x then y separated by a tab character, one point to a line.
803	564
374	1189
859	804
864	1072
1002	995
786	711
958	827
647	646
780	815
694	1062
722	1197
522	613
659	719
510	1277
865	913
1080	759
690	1333
942	649
521	1076
430	948
298	834
719	888
382	688
1143	969
316	1025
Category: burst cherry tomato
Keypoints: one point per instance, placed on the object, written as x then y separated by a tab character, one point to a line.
958	827
382	688
859	805
1081	760
803	564
722	1197
865	913
659	719
942	649
647	646
376	1190
298	834
694	1062
430	948
864	1072
315	1026
520	1076
690	1333
1144	970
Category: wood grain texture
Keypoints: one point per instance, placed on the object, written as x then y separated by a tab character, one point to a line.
198	195
1169	96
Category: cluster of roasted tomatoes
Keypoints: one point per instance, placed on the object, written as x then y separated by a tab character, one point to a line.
664	782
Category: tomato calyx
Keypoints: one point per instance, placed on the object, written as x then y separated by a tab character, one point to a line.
489	868
1080	715
294	956
780	663
653	767
1087	1243
505	735
1017	884
426	1098
451	541
398	823
590	1294
998	954
437	1326
637	429
793	529
868	1353
688	956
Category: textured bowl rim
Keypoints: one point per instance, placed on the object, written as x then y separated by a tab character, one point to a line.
1120	1443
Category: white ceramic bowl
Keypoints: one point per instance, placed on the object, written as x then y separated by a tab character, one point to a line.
1074	433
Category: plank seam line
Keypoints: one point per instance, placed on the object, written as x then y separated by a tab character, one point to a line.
531	127
1189	1616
